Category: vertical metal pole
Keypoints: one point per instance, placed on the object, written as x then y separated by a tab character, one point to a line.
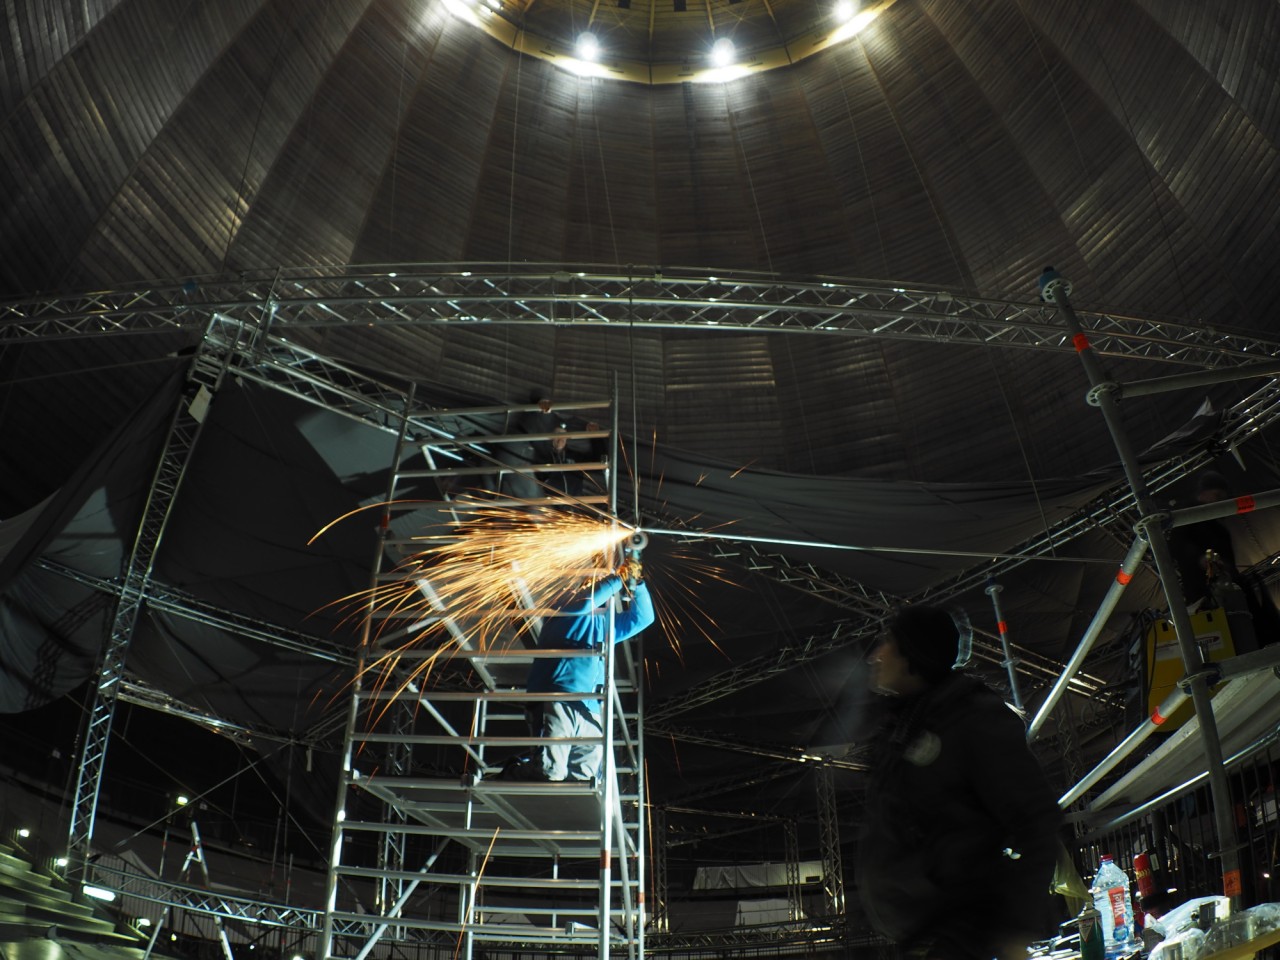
829	838
1002	628
1057	290
792	844
607	790
658	864
197	848
607	793
347	773
207	368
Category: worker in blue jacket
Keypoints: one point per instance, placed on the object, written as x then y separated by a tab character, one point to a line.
581	623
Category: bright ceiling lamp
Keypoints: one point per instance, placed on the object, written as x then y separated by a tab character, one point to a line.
464	11
588	48
723	53
853	23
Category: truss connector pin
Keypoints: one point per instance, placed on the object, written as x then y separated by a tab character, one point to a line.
1051	282
1160	518
1211	673
1095	394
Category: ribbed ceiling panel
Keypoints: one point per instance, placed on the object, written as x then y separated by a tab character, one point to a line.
75	138
1134	146
35	35
733	376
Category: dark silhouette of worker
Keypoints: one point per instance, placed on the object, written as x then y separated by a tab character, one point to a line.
960	839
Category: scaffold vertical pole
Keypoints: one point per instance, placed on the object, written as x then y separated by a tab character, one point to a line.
1103	393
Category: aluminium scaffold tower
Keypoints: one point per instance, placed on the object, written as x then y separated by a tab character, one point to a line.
431	844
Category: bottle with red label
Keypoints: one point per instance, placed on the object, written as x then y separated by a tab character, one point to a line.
1112	899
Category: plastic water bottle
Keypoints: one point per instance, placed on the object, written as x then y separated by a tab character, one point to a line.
1112	899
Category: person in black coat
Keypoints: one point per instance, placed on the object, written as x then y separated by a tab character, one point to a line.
958	847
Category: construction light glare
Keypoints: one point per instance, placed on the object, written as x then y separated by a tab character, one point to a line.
181	800
722	52
588	47
98	893
843	11
24	833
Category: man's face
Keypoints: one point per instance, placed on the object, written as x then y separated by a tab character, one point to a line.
890	672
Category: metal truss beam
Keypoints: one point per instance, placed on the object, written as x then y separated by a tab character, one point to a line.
1242	421
834	588
142	694
829	838
184	429
742	781
543	294
168	599
818	643
770	751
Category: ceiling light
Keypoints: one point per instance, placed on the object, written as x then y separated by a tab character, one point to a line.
182	800
851	27
98	893
844	10
588	47
722	52
24	833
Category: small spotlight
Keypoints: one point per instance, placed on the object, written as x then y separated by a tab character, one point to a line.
588	47
24	833
144	922
98	893
182	800
722	52
173	937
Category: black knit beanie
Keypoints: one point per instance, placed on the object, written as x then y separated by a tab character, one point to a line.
928	638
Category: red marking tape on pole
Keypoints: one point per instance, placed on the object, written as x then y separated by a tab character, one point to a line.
604	859
1002	626
1080	342
1231	886
1245	504
1123	578
1156	718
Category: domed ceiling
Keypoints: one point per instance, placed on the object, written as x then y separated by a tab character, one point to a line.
959	145
927	144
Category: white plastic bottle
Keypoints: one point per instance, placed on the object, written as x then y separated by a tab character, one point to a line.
1113	900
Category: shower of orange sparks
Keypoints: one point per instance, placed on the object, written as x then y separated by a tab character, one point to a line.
479	585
